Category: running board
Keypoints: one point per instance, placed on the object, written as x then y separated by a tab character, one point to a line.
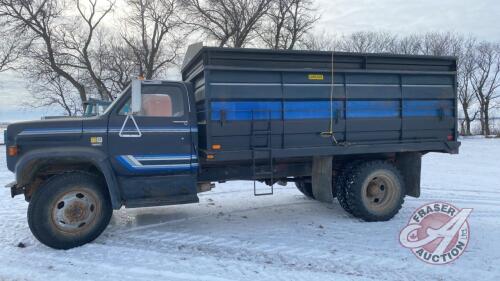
151	202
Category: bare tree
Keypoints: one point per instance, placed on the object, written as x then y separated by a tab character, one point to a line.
231	23
367	42
7	55
59	40
73	45
486	80
286	22
451	44
318	42
54	91
121	65
39	18
9	48
440	44
466	96
154	35
407	45
76	42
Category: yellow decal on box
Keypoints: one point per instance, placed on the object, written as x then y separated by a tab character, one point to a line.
316	77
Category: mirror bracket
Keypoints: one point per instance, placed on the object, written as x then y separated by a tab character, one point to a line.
136	134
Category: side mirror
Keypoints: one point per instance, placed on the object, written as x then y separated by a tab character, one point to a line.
136	97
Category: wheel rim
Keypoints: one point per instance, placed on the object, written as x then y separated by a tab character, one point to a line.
379	191
75	211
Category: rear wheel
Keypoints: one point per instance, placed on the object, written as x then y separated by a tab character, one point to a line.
341	186
69	210
372	191
305	188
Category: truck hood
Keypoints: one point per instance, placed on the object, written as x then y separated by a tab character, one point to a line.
39	134
17	133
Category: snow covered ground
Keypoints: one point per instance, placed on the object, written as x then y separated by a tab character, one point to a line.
1	135
231	235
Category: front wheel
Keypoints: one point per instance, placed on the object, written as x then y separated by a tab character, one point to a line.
372	191
69	210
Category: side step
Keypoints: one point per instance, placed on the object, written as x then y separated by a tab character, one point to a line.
151	202
265	149
266	174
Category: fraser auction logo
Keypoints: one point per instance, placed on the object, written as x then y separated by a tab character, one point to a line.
437	233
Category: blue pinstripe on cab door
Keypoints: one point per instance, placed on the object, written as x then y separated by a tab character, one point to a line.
158	162
100	130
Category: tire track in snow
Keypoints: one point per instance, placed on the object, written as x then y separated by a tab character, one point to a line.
144	227
295	258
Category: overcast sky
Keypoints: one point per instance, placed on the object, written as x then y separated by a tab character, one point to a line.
480	18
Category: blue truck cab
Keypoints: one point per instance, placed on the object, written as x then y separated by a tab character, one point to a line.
339	125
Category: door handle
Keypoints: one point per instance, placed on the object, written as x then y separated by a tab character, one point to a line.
181	122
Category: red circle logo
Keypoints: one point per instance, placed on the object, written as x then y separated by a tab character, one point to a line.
437	233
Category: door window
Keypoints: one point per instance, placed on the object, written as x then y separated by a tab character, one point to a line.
158	101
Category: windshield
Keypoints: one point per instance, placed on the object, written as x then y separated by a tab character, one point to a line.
119	97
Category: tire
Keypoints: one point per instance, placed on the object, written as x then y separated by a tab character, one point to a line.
341	185
372	191
69	210
305	188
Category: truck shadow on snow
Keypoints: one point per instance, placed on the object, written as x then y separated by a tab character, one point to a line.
285	230
229	214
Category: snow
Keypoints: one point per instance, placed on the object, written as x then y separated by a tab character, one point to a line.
1	134
232	235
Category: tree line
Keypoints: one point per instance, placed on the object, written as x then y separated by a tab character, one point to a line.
72	50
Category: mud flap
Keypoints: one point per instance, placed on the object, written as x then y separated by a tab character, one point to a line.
410	166
322	178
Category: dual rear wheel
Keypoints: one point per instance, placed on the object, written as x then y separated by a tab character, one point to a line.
305	188
372	191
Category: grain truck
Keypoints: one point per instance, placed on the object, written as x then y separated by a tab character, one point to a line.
344	127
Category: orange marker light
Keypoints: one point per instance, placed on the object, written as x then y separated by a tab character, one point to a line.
210	156
216	146
12	151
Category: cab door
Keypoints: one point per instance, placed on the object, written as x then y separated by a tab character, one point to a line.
153	156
